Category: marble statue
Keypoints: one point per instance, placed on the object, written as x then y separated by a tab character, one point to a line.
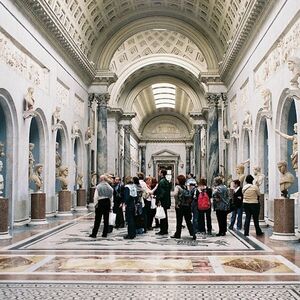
258	177
37	177
286	179
93	179
31	160
235	128
56	118
294	139
63	177
294	67
88	136
79	180
240	169
1	179
57	159
29	100
247	123
75	129
2	153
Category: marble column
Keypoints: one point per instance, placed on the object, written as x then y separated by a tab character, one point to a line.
188	149
102	100
204	151
89	166
127	165
197	150
213	137
143	158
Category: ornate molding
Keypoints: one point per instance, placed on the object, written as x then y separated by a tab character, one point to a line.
127	129
105	77
102	99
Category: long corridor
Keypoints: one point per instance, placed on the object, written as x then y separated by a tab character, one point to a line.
60	261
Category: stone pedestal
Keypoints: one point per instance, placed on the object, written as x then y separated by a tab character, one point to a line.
81	199
64	203
38	208
261	218
284	221
4	218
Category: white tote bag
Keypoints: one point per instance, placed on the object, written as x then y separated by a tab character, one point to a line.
160	213
112	219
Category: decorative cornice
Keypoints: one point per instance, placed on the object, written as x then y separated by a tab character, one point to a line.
46	18
210	78
251	15
105	77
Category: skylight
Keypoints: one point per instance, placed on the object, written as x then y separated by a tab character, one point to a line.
164	95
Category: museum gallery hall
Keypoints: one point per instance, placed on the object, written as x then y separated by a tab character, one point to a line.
171	123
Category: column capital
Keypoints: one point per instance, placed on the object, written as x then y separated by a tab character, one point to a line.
102	99
127	128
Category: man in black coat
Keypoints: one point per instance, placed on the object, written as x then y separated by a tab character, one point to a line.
237	204
163	198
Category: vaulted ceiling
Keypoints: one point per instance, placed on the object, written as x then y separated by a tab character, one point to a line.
139	40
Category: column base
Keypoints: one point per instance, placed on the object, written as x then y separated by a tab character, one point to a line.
38	222
38	207
284	236
5	236
4	216
81	200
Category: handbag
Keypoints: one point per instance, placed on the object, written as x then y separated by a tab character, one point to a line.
112	219
160	213
153	203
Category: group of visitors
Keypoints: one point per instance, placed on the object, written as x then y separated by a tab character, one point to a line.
142	197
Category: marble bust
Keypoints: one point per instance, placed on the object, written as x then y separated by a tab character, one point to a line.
1	179
294	139
79	180
63	177
29	100
240	169
37	177
258	177
286	178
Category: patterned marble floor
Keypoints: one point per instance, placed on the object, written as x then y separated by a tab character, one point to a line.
62	262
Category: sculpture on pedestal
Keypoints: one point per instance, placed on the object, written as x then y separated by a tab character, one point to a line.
294	138
1	179
247	123
31	160
29	104
56	119
235	129
75	130
286	179
37	177
93	179
79	180
258	177
88	136
266	110
240	169
63	177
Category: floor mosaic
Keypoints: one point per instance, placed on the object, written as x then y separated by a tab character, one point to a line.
74	235
47	291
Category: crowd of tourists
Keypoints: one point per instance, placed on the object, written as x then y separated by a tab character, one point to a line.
146	202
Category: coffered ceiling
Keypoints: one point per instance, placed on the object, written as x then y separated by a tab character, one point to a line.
84	27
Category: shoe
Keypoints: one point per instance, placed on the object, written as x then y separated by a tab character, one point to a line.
221	234
194	237
92	236
230	227
209	233
158	233
175	237
260	234
127	237
245	234
104	235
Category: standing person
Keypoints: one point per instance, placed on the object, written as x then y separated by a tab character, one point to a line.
221	204
163	198
139	206
237	202
130	194
103	195
182	208
118	202
147	204
154	185
251	205
202	207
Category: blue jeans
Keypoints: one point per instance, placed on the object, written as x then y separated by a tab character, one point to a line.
238	212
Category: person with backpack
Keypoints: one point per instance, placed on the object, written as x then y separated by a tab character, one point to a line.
237	205
183	199
221	204
202	208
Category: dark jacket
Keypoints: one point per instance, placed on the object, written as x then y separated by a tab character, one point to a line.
163	193
237	198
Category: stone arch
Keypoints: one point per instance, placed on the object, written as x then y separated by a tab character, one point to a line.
10	161
104	51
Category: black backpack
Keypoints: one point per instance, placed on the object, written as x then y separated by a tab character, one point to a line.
185	196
